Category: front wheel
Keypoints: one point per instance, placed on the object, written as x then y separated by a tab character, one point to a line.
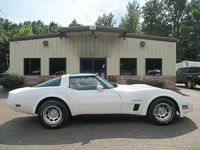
53	114
161	111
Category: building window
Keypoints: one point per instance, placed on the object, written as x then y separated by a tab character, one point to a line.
128	66
153	66
32	66
57	66
93	65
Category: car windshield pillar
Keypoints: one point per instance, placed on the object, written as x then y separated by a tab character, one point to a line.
109	85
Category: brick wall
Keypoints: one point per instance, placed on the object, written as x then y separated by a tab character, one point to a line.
32	80
170	81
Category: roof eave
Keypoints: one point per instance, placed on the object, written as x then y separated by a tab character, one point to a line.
32	37
149	37
122	33
93	29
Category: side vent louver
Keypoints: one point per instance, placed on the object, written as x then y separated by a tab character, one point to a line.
136	107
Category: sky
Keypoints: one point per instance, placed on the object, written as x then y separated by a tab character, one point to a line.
63	12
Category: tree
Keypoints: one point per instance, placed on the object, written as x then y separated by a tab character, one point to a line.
176	12
74	24
4	50
39	28
106	20
189	34
132	18
28	23
4	44
14	29
35	27
155	19
25	30
6	25
9	29
53	27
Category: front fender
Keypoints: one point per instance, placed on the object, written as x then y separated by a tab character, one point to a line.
178	98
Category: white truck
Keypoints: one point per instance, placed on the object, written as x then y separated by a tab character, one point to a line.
186	63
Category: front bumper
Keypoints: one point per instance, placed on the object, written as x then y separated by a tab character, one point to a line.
185	111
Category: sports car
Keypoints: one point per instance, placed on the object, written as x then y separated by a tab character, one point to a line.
58	99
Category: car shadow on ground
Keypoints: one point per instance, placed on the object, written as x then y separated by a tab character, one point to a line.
179	92
83	129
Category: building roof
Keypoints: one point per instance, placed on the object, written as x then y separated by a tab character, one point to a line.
32	37
93	30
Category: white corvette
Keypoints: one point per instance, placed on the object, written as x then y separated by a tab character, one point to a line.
75	94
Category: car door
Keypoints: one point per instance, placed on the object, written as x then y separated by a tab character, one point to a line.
86	99
178	75
184	75
181	75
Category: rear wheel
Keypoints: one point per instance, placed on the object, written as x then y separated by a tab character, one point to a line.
190	84
161	111
53	114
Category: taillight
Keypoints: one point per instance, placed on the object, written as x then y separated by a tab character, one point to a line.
18	105
198	76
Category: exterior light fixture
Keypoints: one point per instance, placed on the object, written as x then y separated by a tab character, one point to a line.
45	43
92	27
142	43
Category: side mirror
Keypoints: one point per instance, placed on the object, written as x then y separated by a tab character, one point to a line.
115	85
100	88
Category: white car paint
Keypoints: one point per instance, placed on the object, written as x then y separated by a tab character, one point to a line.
119	100
94	101
144	95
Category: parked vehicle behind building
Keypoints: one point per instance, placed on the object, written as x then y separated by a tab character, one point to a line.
186	63
188	75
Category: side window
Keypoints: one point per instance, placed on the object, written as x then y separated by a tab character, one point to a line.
179	71
197	70
85	83
191	70
52	82
184	70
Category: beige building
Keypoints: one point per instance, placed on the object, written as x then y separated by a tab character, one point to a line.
107	51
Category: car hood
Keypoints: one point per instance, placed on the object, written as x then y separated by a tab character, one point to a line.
145	92
134	87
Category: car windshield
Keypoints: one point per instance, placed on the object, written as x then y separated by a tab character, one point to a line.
52	82
109	85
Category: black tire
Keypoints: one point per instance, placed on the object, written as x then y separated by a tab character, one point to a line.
53	114
161	111
185	84
190	84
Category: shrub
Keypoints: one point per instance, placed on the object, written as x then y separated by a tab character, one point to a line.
159	84
41	81
11	81
113	79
